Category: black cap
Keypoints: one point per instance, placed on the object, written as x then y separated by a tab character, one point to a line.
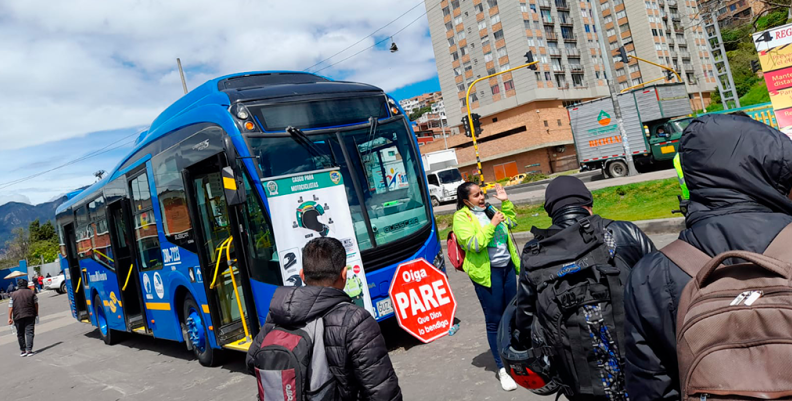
22	283
566	191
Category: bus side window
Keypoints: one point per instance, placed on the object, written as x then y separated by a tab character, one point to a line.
176	223
102	252
82	232
260	240
145	223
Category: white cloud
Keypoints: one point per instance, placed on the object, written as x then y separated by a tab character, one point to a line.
73	67
14	198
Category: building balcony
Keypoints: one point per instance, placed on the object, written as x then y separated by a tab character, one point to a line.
554	51
566	21
570	36
558	68
551	36
547	21
575	68
572	52
544	4
561	5
681	42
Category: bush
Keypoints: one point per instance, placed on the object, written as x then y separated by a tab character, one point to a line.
533	177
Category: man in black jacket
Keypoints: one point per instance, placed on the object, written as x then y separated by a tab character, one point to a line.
356	351
739	173
567	200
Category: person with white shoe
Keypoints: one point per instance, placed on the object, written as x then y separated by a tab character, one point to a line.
23	310
491	258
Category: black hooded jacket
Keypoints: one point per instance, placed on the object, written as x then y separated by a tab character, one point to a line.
356	351
738	173
631	245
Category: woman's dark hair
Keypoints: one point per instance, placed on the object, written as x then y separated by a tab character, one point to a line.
463	192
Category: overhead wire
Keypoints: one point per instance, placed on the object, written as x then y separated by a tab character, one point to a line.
369	35
107	148
381	41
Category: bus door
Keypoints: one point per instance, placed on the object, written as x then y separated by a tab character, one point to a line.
227	284
76	280
126	266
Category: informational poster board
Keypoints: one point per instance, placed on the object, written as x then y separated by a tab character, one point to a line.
775	55
311	205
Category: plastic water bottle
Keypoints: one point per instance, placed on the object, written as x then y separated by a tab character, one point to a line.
453	329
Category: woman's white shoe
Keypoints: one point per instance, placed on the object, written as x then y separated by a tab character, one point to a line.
507	383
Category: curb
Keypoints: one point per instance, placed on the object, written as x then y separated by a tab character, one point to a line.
658	226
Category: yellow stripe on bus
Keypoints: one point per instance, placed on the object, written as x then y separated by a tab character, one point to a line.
205	308
158	306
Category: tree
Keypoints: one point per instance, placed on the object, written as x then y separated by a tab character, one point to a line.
418	113
19	246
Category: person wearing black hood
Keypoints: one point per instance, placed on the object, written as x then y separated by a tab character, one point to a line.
739	175
568	202
355	349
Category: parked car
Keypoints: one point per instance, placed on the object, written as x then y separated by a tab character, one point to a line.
57	283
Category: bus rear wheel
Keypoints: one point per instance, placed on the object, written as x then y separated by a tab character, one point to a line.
198	335
108	335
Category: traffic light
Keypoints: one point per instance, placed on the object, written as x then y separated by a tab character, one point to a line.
755	66
529	59
466	126
623	55
476	124
669	75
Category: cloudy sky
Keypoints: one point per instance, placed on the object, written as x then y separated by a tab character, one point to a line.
80	78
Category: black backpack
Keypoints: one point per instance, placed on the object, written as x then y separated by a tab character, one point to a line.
579	283
291	364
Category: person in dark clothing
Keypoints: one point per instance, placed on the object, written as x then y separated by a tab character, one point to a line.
10	288
567	200
48	275
23	311
739	174
356	350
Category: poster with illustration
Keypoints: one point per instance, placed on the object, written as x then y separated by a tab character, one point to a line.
313	205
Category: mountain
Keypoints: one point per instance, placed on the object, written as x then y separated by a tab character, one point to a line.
15	214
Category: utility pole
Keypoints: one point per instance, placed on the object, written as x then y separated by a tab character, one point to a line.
181	73
613	86
445	139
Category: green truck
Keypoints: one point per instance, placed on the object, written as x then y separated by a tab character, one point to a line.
653	119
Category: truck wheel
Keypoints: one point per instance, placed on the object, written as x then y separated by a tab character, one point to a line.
198	334
435	202
617	169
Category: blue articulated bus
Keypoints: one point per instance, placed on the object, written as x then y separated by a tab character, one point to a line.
176	242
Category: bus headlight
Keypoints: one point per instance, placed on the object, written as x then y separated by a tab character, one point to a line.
439	261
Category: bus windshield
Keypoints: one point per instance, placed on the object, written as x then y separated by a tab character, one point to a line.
382	163
449	176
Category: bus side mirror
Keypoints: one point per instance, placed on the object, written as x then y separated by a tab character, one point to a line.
234	188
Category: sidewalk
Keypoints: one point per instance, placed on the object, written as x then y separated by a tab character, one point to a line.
536	194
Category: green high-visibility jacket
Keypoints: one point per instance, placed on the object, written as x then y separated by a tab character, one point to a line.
681	177
354	286
474	238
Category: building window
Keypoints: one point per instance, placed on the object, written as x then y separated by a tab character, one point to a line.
608	19
488	57
545	123
533	8
461	35
508	85
523	7
504	67
461	87
454	56
482	24
479	8
531	42
457	20
495	19
446	11
485	40
463	50
492	3
588	29
449	26
457	72
604	6
473	97
502	52
548	77
451	41
559	122
498	35
621	14
577	79
620	72
468	67
611	32
495	89
455	4
624	27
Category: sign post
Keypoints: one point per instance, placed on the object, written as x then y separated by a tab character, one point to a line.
422	297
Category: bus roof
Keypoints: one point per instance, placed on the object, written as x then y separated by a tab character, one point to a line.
223	91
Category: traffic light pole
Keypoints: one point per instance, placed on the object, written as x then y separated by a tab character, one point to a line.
470	117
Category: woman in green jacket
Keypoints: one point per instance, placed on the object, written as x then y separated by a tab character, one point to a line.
491	258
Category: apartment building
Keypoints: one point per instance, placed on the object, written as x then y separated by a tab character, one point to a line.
733	13
666	32
526	126
426	100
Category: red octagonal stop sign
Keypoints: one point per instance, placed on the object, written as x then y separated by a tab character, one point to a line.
423	300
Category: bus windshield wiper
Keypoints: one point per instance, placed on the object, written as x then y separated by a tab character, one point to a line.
303	140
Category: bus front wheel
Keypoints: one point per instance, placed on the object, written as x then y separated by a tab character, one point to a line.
198	335
108	335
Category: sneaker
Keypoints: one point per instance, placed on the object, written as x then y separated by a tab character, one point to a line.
507	383
23	354
31	353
